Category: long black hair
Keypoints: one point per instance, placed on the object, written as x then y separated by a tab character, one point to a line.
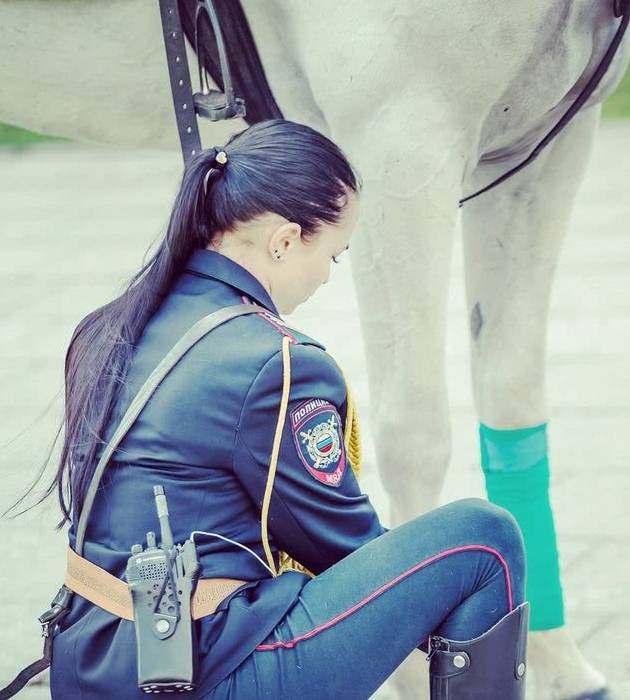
274	166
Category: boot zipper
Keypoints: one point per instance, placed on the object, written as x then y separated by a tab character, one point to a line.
436	643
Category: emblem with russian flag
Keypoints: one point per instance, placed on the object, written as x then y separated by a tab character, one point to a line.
317	434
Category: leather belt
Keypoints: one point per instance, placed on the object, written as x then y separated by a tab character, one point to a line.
100	587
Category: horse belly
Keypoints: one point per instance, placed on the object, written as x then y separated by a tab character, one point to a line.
507	70
567	53
421	66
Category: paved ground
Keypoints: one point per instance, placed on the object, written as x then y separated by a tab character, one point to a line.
76	221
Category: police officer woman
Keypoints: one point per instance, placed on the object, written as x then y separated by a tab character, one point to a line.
249	435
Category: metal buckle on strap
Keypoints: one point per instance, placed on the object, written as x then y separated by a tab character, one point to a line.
214	104
59	606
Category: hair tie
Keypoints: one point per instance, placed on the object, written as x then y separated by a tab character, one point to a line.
219	162
220	157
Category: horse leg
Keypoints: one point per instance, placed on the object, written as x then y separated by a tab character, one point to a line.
512	238
401	258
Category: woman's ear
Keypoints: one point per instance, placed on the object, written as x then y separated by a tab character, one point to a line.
283	240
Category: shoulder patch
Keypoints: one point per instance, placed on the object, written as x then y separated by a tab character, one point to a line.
316	428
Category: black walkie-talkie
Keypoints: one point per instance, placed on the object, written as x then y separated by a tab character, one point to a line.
161	579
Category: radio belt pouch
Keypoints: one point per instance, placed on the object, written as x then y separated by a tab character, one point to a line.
112	594
158	597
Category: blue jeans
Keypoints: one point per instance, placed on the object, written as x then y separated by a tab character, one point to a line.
454	571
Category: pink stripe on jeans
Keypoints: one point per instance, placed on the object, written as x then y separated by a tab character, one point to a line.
342	616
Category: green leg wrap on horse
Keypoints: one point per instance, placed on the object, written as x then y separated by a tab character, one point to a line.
516	471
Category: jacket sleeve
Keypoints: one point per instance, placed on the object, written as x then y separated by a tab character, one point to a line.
317	513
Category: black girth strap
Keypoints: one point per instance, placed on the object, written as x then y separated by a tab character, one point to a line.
621	8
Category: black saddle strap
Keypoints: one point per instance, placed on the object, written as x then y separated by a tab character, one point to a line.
180	79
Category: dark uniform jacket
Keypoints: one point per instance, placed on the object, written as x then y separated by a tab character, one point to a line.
206	435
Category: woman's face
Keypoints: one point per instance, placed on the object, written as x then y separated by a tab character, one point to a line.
304	264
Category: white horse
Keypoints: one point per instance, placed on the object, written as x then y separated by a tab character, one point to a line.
431	101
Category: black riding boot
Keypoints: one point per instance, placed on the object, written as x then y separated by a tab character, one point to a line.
489	667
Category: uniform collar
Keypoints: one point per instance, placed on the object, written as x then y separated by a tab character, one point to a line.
209	263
